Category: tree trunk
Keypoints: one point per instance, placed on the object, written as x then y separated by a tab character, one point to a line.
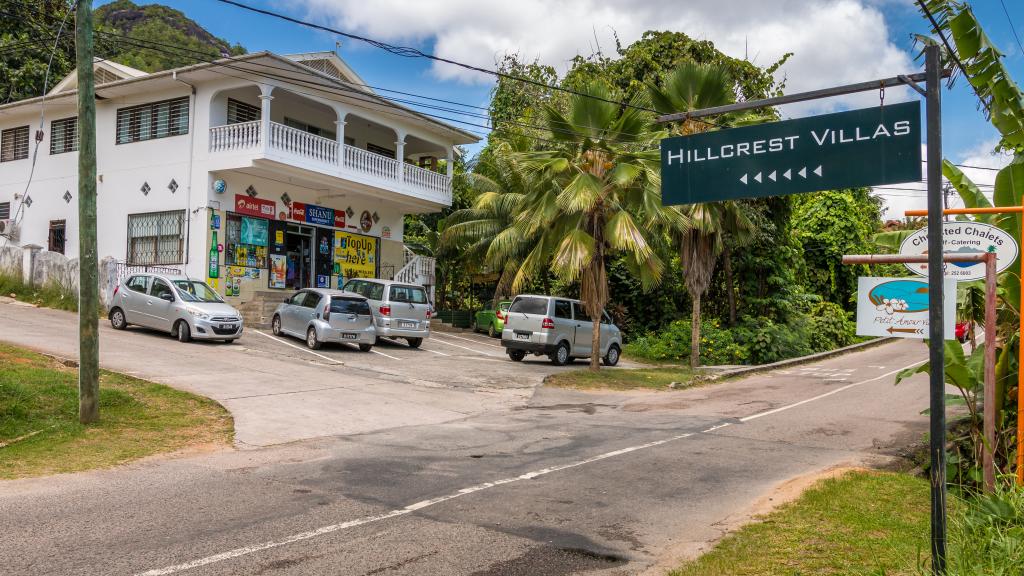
595	343
695	332
730	294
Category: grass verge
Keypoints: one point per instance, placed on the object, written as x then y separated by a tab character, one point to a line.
624	379
862	523
49	296
39	419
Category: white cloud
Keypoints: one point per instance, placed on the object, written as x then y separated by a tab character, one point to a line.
984	155
834	41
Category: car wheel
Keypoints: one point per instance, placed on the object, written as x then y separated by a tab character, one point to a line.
376	340
312	341
491	331
365	347
517	355
414	342
275	325
117	319
229	341
560	357
612	357
474	326
183	332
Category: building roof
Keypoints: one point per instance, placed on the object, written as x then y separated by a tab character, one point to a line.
330	71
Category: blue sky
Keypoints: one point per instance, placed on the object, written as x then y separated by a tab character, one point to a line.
840	41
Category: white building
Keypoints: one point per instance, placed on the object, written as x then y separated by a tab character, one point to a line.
261	172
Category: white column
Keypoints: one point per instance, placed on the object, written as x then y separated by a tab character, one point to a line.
265	98
400	154
449	160
340	131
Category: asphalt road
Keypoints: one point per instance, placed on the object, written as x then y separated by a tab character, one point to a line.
560	482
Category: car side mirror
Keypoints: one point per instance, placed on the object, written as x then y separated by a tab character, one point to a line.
167	296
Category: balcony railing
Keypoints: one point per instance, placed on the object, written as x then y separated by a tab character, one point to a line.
323	153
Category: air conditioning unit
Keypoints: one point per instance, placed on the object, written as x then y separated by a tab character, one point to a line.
6	227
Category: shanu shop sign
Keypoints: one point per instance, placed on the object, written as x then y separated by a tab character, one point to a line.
867	147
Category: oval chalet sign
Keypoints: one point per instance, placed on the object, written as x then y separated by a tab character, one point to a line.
964	237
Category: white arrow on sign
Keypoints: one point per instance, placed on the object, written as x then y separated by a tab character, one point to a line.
743	178
757	177
788	174
803	172
818	170
772	176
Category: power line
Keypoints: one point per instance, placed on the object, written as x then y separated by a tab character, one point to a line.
1012	29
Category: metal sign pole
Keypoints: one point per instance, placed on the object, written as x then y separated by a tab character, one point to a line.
936	343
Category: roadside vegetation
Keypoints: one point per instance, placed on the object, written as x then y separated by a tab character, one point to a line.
49	296
623	379
40	433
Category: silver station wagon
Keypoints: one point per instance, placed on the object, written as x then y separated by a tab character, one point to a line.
319	315
557	327
400	310
185	307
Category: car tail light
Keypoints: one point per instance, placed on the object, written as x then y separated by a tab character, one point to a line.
499	315
385	310
430	312
327	311
116	288
547	323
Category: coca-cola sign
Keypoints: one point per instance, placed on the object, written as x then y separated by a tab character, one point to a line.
255	206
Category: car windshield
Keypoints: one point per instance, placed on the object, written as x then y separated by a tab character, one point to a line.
530	305
196	291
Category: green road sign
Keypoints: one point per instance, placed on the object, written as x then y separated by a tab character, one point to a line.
866	147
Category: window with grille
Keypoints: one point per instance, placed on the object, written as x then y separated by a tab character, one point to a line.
380	150
5	210
156	238
239	112
64	135
150	121
14	144
58	233
300	125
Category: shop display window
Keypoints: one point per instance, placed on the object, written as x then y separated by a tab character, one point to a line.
246	242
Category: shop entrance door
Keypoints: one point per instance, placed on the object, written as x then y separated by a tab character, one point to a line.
299	251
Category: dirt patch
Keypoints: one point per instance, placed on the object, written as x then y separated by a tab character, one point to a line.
783	493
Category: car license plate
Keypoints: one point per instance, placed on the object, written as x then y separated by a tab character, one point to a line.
406	324
348	336
522	336
226	326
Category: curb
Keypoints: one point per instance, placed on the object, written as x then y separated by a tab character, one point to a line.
748	370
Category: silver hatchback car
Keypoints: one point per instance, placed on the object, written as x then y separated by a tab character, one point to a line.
319	315
185	307
400	310
557	327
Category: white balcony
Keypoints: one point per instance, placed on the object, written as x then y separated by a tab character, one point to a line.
302	149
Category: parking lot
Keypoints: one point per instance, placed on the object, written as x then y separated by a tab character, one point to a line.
280	391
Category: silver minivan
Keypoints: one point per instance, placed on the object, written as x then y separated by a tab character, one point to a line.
185	307
400	310
557	327
319	315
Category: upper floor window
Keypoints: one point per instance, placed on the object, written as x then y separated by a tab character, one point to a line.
154	120
14	144
299	125
5	210
239	112
64	135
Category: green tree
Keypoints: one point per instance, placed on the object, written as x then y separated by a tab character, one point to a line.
600	195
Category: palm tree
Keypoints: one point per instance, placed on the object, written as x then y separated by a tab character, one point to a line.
598	193
692	86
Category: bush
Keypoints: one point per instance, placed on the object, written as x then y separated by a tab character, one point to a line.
986	533
769	342
830	327
673	344
49	296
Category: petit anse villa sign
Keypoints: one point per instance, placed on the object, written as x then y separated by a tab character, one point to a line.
865	147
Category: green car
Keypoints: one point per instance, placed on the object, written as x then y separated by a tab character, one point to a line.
490	320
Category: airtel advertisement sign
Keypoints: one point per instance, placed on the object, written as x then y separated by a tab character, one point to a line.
255	206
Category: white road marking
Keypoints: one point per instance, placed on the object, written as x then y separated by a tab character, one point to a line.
435	339
435	352
473	340
246	550
825	395
276	339
375	351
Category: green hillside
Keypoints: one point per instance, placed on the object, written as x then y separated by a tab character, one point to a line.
28	30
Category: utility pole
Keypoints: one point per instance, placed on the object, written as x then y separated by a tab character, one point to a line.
88	265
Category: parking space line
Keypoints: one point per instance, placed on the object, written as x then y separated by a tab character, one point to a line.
463	347
276	339
435	352
375	351
473	340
